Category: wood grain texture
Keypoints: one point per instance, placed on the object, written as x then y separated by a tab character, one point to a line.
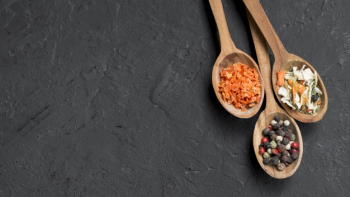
284	61
230	55
272	109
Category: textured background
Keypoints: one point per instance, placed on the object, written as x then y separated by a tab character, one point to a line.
114	98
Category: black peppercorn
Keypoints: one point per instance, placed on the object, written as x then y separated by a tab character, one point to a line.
285	153
287	164
279	155
271	133
284	159
275	161
273	137
290	160
314	98
266	145
276	126
285	141
277	118
295	156
266	131
290	131
266	161
261	145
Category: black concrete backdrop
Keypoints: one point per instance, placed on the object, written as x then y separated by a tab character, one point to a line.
114	98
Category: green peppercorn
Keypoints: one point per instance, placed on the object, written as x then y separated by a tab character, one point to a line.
273	144
266	155
292	137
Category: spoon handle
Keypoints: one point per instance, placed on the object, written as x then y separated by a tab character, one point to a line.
259	15
225	38
264	63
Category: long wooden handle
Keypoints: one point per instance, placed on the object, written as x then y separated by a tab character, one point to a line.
259	15
219	15
264	63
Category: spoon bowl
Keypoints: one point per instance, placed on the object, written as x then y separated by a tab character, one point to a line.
284	61
272	110
231	55
295	61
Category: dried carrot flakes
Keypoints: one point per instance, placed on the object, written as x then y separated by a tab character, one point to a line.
240	86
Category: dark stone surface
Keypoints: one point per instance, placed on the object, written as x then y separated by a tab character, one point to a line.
114	98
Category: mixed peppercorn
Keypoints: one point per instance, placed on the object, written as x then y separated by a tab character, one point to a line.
277	146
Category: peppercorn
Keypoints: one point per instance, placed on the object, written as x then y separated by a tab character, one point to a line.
276	126
281	123
267	145
266	131
286	123
266	155
271	132
285	153
288	146
314	98
264	139
273	144
295	156
293	151
278	149
282	147
279	138
273	122
295	145
269	151
290	160
274	151
270	127
290	131
275	161
281	166
279	155
266	161
285	141
286	134
277	118
292	137
287	164
273	137
284	159
261	150
281	133
261	145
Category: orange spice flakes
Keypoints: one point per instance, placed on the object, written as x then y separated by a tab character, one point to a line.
240	86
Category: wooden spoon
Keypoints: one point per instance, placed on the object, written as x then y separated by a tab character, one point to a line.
284	61
230	55
272	109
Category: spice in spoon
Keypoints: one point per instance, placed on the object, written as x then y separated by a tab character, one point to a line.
240	86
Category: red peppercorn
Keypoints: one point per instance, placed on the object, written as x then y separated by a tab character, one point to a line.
278	149
274	151
293	151
264	140
270	127
295	145
262	150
